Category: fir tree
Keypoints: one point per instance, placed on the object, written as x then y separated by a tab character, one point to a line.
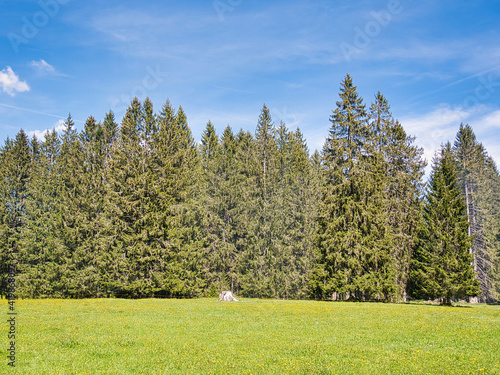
403	168
354	240
228	213
490	217
264	248
126	201
245	215
72	223
15	171
442	264
478	178
296	215
219	253
176	190
41	245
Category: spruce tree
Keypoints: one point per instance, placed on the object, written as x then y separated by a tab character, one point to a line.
229	211
92	207
479	182
296	215
353	240
42	244
245	216
403	167
5	232
442	263
490	217
176	228
211	203
264	242
126	203
219	258
15	171
72	223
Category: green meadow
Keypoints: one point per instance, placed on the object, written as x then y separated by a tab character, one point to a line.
202	336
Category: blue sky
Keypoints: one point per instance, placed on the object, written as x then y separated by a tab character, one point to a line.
437	62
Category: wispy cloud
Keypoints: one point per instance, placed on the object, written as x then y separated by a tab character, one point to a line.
42	66
434	128
487	128
439	118
61	118
10	82
483	55
30	110
202	38
491	120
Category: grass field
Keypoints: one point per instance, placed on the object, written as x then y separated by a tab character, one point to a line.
202	336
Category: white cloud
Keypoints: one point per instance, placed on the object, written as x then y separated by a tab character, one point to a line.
442	124
437	127
10	83
487	129
441	117
40	134
42	66
491	120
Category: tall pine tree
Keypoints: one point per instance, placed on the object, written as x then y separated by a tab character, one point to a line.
354	240
16	173
403	167
479	182
442	263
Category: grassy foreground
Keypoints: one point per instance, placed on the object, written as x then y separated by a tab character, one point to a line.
202	336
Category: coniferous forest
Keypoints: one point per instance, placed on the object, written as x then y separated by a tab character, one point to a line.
136	208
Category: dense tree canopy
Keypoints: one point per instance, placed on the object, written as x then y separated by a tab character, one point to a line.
139	209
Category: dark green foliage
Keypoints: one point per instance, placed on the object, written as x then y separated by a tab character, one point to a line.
218	202
260	253
176	171
141	210
150	212
296	207
15	172
480	183
42	250
258	210
354	239
404	169
128	199
442	263
490	218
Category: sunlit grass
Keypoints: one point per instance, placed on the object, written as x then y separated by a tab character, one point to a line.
202	336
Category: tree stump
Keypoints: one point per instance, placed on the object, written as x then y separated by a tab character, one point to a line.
226	296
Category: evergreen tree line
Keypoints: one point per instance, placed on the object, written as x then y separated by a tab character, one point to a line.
142	210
